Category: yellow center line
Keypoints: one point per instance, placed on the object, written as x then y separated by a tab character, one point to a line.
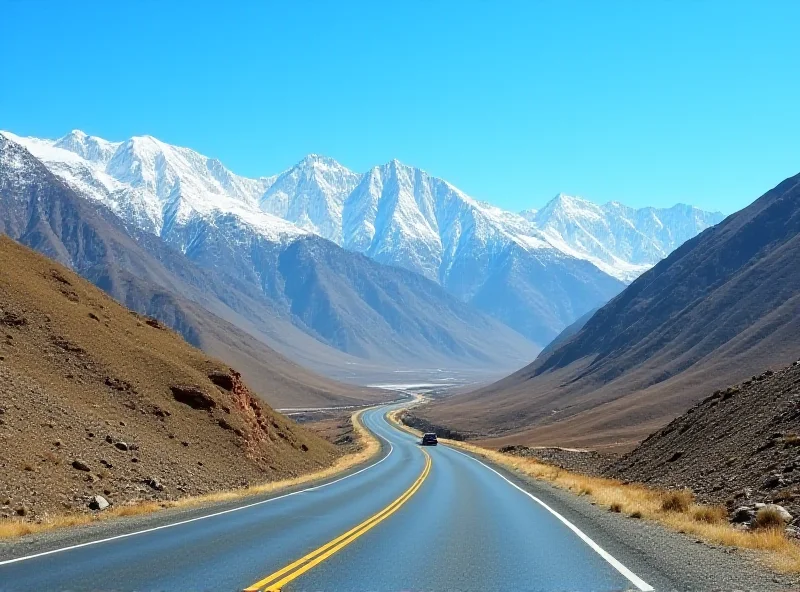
297	568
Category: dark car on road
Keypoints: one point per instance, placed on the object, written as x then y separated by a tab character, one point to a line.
429	439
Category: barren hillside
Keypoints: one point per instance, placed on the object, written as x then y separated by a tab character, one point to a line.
98	400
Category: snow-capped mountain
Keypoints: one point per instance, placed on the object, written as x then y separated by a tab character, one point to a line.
622	241
311	195
291	290
535	271
159	188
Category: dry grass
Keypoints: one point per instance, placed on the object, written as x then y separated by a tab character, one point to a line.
674	509
767	518
369	446
709	514
677	501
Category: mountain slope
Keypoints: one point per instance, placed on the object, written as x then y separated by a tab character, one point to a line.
234	265
719	308
142	272
109	402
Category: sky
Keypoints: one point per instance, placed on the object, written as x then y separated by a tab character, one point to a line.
647	103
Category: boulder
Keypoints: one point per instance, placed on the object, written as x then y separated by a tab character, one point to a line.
154	483
781	511
773	481
98	502
222	379
121	446
80	465
743	515
193	396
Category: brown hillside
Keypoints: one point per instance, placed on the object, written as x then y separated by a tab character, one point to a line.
720	308
96	399
740	445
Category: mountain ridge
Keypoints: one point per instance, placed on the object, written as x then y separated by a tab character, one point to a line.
395	214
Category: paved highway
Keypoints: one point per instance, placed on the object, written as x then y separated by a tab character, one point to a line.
414	519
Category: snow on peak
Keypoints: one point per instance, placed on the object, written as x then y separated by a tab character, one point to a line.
620	240
155	185
394	213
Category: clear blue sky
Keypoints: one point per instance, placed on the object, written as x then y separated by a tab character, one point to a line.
646	102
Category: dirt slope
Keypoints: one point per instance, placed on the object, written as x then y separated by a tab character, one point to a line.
740	444
718	309
96	399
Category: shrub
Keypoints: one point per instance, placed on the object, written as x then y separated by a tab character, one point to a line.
768	518
790	440
615	507
710	514
677	501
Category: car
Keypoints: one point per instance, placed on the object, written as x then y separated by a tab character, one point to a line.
429	439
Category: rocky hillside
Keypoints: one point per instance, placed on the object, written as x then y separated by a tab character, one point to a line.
718	309
98	400
739	446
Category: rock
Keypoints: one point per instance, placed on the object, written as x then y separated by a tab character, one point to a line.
98	502
222	379
80	465
22	510
782	512
675	456
743	515
773	481
154	483
193	396
121	446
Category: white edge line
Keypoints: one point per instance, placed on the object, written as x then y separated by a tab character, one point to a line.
236	509
634	579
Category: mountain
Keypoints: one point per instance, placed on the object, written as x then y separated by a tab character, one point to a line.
99	400
140	271
534	273
379	317
624	242
720	308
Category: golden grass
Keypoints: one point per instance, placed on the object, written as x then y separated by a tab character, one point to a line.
677	501
768	518
674	509
369	446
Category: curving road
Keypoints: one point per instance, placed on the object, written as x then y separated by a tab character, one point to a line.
415	519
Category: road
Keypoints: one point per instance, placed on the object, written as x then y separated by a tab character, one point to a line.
414	519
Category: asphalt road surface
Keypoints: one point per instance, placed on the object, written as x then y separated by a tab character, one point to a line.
417	519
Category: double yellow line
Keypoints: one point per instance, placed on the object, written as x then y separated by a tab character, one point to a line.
280	578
